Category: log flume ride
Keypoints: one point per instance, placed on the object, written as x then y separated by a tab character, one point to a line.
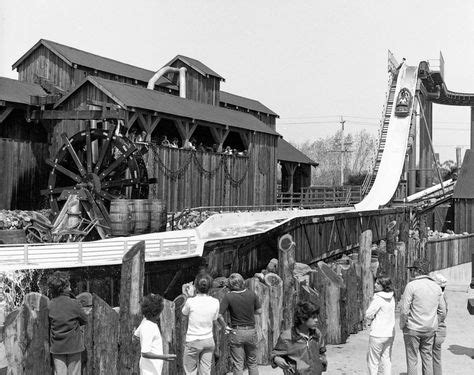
190	243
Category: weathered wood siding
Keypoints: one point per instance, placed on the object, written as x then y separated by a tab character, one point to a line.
199	88
233	181
464	215
23	172
316	238
71	127
44	63
449	252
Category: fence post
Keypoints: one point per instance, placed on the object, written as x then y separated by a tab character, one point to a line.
79	253
25	253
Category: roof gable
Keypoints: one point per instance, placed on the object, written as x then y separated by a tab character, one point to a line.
196	65
12	90
464	188
79	57
243	102
287	152
129	96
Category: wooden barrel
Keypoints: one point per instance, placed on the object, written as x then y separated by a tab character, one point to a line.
12	236
141	215
158	215
121	217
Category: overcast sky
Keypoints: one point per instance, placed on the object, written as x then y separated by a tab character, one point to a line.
309	61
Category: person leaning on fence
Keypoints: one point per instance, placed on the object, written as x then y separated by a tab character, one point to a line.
301	349
421	306
381	314
243	305
440	334
65	320
151	344
202	311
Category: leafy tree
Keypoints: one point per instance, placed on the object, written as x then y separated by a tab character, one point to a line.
356	161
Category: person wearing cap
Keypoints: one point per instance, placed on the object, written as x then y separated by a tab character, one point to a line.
422	305
440	335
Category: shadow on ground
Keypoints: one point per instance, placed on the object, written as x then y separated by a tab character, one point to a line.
461	350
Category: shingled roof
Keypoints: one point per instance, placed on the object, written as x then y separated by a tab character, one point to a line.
130	96
76	56
196	65
14	91
287	152
243	102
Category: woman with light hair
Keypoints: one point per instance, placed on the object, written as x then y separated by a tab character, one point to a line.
243	305
440	334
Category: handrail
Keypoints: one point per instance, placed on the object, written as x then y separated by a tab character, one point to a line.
111	251
375	152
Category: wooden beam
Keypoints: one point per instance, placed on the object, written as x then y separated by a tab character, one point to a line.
4	114
153	125
220	134
143	122
131	120
78	115
101	104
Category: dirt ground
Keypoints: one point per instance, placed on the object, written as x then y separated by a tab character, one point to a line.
458	349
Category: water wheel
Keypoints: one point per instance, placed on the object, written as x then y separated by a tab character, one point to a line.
107	166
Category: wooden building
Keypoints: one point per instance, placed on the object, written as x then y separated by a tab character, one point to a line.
464	196
23	146
77	81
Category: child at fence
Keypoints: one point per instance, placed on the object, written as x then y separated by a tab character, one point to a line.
151	344
381	315
65	318
301	349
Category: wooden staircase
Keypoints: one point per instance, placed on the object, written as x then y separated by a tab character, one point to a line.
387	112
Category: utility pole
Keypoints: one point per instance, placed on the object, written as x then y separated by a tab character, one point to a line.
343	149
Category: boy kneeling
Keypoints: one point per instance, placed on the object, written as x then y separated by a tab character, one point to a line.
301	349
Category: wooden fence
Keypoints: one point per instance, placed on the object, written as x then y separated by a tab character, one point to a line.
343	290
24	172
321	196
449	252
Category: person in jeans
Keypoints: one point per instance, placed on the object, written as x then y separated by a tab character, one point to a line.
440	334
65	320
421	304
301	349
202	311
381	314
242	304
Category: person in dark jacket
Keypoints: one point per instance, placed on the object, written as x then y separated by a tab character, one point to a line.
301	349
65	320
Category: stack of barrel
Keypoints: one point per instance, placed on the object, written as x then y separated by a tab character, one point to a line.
137	216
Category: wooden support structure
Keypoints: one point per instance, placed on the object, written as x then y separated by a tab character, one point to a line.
286	265
365	255
185	130
27	337
131	295
4	114
262	321
220	135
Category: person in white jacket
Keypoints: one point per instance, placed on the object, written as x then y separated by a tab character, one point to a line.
381	314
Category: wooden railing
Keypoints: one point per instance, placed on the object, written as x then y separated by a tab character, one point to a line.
321	196
77	254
